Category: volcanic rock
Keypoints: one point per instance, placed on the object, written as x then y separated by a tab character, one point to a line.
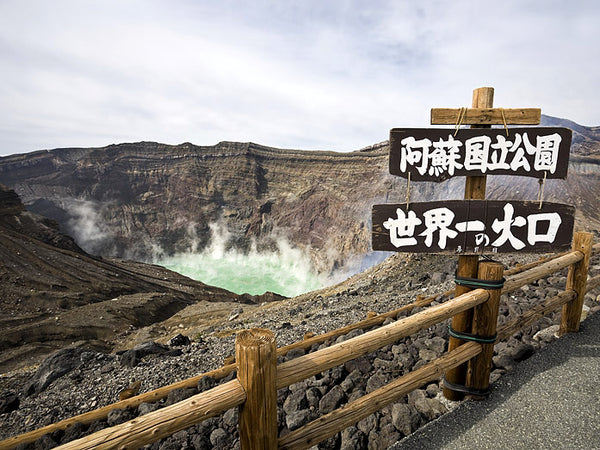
57	365
297	404
179	340
132	357
9	401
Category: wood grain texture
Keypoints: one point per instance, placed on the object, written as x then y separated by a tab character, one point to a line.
467	265
516	281
544	309
516	277
576	281
486	116
391	230
534	314
485	318
102	413
334	422
165	421
298	369
163	392
437	154
255	352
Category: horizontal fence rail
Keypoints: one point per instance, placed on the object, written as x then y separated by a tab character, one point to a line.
303	367
519	280
534	314
102	413
341	418
166	421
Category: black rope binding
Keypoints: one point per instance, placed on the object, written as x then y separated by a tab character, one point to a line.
465	389
472	337
476	283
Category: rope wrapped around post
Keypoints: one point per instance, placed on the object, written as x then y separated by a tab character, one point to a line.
483	330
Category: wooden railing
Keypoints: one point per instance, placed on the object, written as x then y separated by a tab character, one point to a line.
259	377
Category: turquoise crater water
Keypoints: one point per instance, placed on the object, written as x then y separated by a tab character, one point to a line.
286	271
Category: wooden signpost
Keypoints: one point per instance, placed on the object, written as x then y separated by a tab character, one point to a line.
475	226
436	154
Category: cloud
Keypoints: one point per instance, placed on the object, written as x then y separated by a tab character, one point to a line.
300	74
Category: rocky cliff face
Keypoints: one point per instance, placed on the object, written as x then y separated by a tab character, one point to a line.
137	200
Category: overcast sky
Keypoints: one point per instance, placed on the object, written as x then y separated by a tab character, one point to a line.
311	74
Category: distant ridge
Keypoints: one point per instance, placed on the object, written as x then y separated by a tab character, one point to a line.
585	139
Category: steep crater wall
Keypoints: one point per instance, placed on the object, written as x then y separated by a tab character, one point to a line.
134	200
143	200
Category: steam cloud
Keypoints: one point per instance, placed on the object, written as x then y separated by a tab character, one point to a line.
282	268
86	226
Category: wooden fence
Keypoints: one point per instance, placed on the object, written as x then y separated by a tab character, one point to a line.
259	376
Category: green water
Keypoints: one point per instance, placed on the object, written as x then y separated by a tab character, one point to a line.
287	271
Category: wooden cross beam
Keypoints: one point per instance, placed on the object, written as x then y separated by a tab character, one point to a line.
486	116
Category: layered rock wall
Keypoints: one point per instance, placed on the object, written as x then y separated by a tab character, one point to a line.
147	196
143	199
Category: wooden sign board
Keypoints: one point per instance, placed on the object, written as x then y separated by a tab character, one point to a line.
486	116
435	154
473	227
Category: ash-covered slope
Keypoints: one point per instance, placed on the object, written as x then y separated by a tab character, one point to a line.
98	378
53	293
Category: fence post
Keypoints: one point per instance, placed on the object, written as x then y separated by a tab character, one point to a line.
256	355
485	319
577	280
467	264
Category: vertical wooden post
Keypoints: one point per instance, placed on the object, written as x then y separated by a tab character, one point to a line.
467	265
577	281
485	319
256	355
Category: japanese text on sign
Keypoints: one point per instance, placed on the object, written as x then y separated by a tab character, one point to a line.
472	226
436	154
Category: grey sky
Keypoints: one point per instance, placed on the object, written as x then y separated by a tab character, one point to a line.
310	74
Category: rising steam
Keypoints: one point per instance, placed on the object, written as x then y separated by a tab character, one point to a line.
86	226
274	265
282	268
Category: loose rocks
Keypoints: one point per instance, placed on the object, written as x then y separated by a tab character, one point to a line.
91	380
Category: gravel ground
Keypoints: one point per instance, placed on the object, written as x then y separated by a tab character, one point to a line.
551	401
98	378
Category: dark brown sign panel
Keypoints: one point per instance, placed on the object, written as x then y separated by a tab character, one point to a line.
473	227
435	154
